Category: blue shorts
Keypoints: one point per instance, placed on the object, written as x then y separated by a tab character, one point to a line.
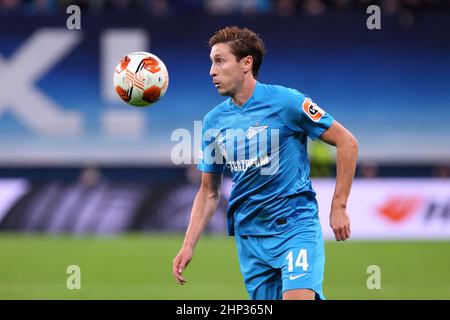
274	264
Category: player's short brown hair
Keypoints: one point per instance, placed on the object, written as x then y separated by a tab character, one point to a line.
243	42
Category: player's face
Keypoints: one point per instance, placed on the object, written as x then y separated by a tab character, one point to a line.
227	73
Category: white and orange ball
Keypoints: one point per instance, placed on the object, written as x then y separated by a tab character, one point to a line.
141	79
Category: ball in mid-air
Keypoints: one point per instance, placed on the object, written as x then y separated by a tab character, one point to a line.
141	79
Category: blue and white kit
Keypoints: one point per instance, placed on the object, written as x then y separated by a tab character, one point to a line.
272	212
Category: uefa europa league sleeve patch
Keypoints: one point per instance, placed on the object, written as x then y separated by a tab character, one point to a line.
312	110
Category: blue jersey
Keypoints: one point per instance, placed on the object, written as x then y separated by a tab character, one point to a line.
263	142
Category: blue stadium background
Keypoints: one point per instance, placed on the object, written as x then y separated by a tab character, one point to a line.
389	86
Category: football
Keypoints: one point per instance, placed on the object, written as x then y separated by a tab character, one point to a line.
141	79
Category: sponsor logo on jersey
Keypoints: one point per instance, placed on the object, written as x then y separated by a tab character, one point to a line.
312	110
243	165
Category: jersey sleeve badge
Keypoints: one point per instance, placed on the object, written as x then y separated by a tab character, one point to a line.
312	110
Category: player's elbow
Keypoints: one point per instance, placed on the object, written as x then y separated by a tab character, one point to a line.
209	193
213	195
210	186
349	142
352	144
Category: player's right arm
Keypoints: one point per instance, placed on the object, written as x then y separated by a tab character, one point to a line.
205	204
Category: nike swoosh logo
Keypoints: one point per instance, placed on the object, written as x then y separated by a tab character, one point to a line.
253	131
295	277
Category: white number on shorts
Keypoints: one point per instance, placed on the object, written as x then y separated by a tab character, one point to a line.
301	261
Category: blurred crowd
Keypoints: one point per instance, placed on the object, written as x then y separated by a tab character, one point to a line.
220	7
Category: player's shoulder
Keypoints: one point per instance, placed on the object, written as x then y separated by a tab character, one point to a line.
280	91
215	113
281	98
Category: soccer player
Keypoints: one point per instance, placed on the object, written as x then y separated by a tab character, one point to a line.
272	211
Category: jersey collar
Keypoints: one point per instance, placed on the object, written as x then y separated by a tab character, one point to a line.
247	103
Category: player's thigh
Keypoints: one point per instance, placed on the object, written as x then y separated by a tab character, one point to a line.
264	284
262	281
302	266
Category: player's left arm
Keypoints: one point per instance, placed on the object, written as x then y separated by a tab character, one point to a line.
347	153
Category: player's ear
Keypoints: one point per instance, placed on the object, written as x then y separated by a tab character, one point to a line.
247	63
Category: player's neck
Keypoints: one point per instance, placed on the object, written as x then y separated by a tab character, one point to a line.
245	92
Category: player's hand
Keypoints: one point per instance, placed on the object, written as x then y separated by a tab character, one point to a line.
180	263
340	223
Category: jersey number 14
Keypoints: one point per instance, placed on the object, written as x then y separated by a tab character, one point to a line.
301	261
